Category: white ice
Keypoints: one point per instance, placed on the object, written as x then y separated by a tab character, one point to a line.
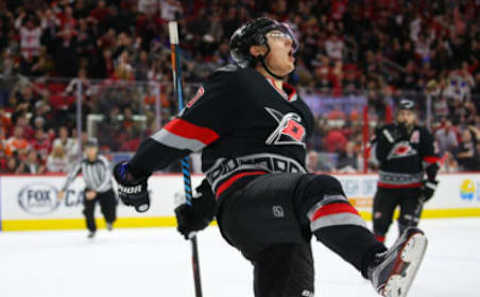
156	262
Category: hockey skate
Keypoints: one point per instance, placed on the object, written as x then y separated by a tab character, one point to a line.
393	271
91	234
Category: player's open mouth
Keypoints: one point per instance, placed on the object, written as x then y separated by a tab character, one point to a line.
290	55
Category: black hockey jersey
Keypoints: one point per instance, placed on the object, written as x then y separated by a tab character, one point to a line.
404	159
243	125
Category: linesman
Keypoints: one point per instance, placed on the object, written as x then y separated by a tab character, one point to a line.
98	187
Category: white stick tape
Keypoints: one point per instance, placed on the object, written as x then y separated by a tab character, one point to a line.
173	32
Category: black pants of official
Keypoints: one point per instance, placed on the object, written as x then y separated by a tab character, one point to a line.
384	204
108	207
267	220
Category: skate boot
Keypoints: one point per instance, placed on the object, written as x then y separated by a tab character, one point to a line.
91	234
109	226
393	271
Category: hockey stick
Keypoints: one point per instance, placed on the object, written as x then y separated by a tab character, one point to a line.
177	86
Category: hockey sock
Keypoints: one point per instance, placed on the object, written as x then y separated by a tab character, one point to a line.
355	244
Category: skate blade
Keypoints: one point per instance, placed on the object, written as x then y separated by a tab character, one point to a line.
411	257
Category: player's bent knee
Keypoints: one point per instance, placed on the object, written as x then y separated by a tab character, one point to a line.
323	203
321	185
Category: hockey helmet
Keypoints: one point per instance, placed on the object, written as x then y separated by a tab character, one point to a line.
406	104
254	33
92	142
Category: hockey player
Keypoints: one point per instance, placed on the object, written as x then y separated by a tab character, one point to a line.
98	187
405	152
251	127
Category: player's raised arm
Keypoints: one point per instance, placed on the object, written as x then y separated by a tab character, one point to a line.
202	122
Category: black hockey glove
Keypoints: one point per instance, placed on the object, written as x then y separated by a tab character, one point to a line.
199	214
428	189
131	190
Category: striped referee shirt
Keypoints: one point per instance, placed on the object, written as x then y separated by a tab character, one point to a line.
96	174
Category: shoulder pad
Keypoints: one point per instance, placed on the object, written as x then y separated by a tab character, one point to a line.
388	126
228	68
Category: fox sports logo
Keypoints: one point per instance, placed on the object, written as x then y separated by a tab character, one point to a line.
38	199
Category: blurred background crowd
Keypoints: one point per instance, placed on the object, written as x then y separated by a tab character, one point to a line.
73	69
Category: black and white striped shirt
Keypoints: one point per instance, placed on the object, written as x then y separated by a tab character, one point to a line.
96	174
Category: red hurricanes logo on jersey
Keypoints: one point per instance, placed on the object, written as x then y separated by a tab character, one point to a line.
289	129
401	150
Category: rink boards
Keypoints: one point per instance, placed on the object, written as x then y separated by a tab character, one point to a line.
30	202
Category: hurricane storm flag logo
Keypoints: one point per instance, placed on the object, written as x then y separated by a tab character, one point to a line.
289	130
401	150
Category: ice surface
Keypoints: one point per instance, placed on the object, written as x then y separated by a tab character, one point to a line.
156	262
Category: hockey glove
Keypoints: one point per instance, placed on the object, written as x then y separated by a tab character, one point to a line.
428	189
199	214
131	190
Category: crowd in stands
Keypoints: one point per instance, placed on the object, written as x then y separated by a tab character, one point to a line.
114	56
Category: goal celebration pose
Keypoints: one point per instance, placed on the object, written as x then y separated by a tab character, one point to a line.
251	127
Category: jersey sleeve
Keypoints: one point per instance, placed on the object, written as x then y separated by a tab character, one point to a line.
72	175
429	155
207	117
106	178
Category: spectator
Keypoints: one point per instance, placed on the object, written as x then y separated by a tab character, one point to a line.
17	142
348	159
312	161
33	165
30	34
467	154
334	47
41	144
335	141
446	137
68	144
123	69
11	165
57	161
66	53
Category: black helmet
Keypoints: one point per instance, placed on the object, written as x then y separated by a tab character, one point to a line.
253	33
92	142
406	104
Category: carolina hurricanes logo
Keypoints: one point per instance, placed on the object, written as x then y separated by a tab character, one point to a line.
289	129
401	150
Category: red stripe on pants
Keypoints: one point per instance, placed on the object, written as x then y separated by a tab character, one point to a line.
226	184
334	208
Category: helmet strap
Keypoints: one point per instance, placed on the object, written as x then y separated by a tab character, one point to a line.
261	58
